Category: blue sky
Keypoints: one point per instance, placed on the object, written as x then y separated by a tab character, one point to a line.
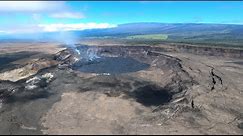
75	15
169	12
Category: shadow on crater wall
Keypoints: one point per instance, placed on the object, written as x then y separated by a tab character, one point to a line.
151	95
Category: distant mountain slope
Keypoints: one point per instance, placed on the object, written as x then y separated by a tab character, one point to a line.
188	32
175	29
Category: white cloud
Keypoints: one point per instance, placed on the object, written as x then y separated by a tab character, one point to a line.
20	28
3	32
79	26
54	27
55	9
31	6
74	15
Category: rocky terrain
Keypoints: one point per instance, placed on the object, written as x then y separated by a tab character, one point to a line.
121	90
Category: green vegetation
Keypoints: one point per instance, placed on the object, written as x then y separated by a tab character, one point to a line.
150	42
149	36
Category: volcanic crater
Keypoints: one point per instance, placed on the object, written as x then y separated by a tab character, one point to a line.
149	77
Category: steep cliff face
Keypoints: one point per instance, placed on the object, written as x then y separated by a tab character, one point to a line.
210	51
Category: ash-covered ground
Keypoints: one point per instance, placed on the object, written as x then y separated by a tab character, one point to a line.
119	90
